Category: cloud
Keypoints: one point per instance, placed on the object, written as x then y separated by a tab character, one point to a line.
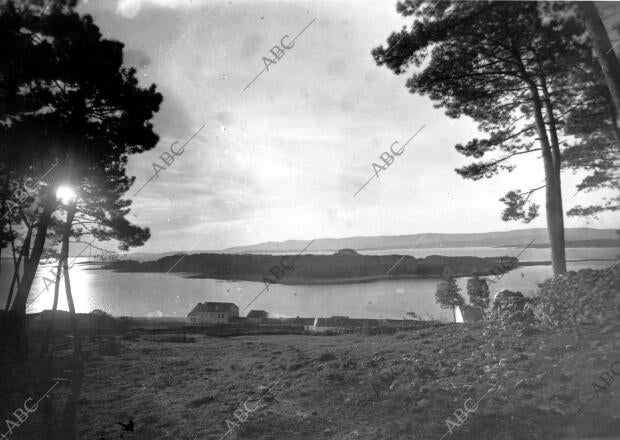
336	66
250	46
136	58
173	118
131	8
284	158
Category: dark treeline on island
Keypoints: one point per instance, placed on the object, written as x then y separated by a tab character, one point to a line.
342	267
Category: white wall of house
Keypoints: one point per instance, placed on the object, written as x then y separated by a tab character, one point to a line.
210	318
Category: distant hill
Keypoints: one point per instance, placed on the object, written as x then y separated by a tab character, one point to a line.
575	237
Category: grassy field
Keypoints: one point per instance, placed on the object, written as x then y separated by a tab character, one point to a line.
529	384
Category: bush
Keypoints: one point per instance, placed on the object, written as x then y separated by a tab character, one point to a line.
478	291
448	294
99	312
510	307
587	296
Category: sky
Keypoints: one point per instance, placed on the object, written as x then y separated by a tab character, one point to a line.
284	158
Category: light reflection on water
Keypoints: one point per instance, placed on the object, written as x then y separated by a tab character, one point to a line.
159	294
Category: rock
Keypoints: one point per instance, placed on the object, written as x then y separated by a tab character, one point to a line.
570	348
441	352
423	403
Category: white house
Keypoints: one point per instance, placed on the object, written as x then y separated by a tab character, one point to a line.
213	313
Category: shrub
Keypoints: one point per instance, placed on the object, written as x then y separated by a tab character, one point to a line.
478	291
587	296
448	294
510	307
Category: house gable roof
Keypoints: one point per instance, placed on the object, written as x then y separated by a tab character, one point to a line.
214	307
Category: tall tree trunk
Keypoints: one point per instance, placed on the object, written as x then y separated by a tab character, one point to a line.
553	131
50	325
614	120
23	253
77	341
31	264
603	51
555	215
3	208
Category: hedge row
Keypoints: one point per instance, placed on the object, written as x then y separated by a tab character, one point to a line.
587	296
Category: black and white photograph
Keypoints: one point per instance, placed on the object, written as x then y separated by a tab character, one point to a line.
309	220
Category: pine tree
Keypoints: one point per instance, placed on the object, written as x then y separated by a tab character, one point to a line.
510	67
478	291
67	98
448	295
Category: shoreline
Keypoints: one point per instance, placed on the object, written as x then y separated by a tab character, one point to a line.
326	282
291	281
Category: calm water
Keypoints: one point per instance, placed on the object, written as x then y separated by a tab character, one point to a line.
157	294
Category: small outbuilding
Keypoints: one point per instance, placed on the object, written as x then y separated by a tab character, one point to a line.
257	315
468	313
213	313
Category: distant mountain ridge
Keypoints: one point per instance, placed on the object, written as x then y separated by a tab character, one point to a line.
575	237
519	237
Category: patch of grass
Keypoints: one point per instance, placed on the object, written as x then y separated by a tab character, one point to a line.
201	401
327	357
110	347
295	366
183	339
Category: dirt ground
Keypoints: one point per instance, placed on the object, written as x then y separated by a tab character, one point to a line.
473	381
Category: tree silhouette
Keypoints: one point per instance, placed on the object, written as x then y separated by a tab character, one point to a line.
448	295
478	291
508	66
69	99
603	52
